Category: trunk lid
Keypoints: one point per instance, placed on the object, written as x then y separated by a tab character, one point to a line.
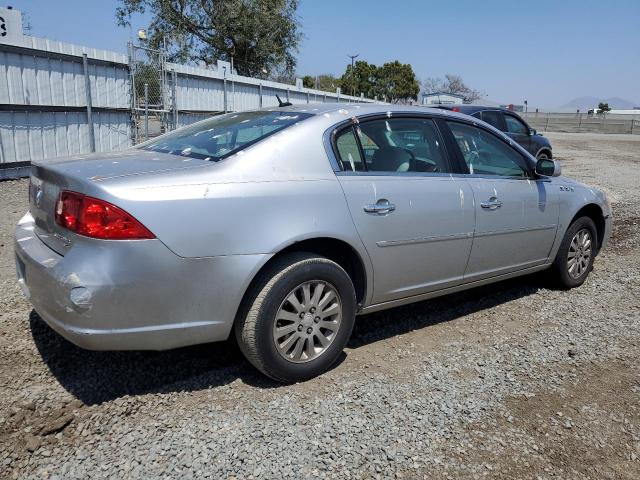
81	174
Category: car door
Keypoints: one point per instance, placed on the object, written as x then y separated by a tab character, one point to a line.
519	131
415	219
516	213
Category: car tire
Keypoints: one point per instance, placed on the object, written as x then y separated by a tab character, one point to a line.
576	254
279	330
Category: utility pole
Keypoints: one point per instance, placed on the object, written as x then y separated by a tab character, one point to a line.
353	57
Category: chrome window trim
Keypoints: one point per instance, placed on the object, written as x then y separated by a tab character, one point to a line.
350	173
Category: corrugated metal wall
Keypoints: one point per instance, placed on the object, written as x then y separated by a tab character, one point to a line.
33	135
43	98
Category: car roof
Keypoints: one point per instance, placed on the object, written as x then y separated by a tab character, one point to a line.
354	109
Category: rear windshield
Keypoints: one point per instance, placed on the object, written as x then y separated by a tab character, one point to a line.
221	136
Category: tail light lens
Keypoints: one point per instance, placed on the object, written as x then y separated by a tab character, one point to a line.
455	109
96	218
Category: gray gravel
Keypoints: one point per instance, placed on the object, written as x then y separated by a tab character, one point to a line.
509	381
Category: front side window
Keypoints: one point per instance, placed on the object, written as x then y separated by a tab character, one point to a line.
402	145
514	125
221	136
485	154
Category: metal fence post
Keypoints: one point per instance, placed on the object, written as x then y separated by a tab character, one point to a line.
287	94
546	127
633	121
224	88
146	111
174	94
308	99
579	121
87	89
260	95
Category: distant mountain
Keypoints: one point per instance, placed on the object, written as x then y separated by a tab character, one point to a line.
585	103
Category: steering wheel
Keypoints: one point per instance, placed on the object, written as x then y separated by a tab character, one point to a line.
413	163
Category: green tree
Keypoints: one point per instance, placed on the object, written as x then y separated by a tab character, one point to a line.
359	79
396	82
308	81
451	84
603	107
328	82
261	35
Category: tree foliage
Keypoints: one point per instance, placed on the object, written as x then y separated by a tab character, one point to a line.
604	107
308	81
451	84
328	82
393	82
261	35
359	79
396	83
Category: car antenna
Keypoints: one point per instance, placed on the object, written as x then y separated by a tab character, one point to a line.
283	104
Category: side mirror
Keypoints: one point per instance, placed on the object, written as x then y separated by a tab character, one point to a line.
548	168
533	131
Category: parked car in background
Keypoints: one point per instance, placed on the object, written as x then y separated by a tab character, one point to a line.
282	225
510	123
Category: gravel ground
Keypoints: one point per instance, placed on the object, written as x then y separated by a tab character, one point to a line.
510	381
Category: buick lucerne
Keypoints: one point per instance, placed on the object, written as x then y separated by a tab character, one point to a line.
281	225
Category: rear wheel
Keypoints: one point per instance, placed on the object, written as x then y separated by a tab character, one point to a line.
576	254
298	318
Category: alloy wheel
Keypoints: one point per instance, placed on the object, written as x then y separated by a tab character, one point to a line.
579	253
307	321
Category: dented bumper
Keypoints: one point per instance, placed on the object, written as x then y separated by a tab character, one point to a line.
131	295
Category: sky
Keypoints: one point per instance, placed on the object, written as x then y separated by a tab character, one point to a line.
545	51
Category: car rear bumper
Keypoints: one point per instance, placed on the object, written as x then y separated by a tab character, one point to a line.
131	295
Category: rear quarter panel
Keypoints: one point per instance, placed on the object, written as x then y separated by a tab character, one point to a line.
273	194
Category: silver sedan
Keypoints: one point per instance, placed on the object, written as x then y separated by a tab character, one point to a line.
284	224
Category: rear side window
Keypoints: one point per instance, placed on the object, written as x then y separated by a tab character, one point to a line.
485	154
221	136
349	151
492	118
402	145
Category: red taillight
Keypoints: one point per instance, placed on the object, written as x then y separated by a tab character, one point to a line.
455	109
96	218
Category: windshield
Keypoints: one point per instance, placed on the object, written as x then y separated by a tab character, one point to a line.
221	136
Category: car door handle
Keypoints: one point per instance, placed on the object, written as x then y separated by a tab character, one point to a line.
492	204
381	207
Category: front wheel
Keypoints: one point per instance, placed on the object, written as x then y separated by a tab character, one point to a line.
576	254
299	317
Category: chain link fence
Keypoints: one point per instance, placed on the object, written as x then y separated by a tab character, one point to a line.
583	122
150	108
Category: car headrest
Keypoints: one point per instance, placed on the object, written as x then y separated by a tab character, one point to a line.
391	159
